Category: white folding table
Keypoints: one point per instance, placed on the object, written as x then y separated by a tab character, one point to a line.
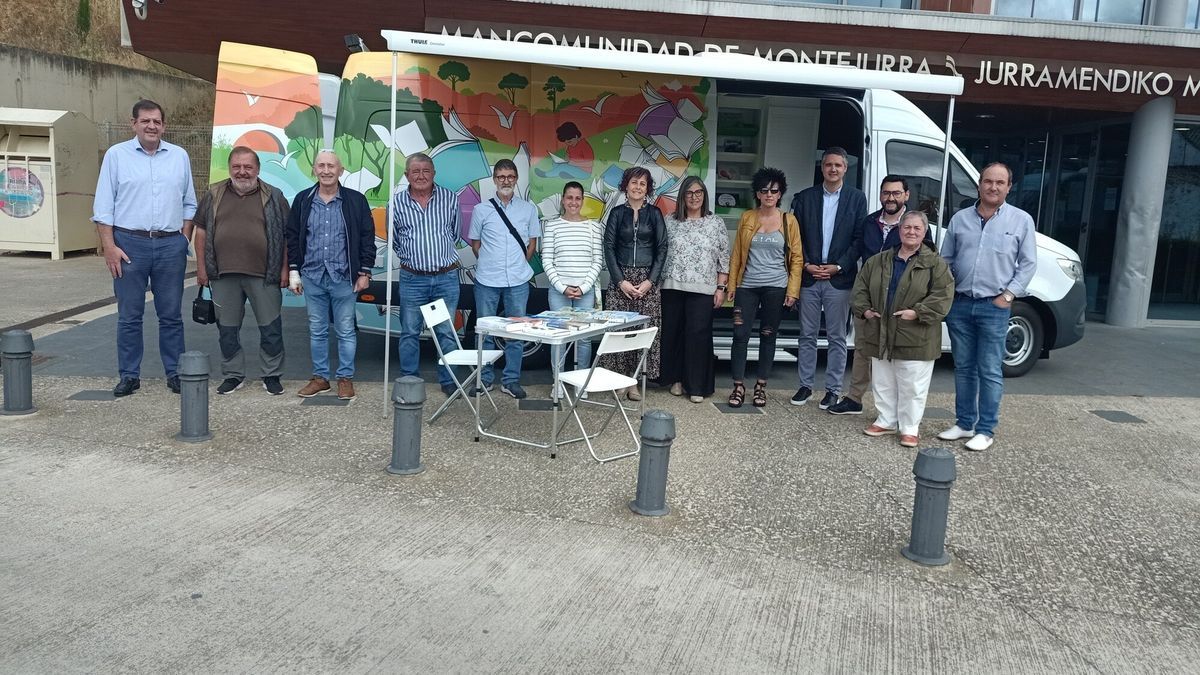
550	339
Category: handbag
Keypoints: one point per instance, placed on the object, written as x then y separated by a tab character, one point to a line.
203	309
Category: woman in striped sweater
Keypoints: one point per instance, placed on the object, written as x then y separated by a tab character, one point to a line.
572	253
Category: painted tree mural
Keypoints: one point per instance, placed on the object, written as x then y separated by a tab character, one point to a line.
306	136
454	72
510	83
553	87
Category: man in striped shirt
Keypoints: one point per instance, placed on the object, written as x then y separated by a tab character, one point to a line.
424	234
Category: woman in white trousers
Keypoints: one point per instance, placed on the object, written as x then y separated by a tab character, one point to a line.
902	294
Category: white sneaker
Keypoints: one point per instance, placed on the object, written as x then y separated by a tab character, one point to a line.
557	392
980	442
956	433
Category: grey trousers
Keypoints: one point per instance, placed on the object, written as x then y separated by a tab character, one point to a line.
836	305
229	294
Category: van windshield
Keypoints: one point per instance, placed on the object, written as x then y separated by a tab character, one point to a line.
922	166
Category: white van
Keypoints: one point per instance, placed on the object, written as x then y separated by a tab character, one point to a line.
463	102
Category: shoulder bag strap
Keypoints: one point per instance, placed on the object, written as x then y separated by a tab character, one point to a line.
513	231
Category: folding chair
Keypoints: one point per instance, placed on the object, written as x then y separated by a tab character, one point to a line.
597	379
435	314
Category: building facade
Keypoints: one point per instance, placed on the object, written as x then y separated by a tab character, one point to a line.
1095	104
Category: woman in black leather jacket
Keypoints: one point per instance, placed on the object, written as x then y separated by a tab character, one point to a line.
635	250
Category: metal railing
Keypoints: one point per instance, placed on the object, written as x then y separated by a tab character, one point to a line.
196	140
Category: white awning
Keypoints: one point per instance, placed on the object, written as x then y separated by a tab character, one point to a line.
724	66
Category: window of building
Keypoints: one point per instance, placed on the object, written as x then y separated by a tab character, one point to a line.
883	4
1100	11
1175	291
922	166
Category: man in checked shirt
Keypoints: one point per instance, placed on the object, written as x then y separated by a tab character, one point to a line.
424	234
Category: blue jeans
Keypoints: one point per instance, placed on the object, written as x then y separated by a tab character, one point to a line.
487	299
417	290
321	296
583	348
161	263
977	330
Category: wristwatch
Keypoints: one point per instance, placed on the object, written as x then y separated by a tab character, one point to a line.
722	287
1009	296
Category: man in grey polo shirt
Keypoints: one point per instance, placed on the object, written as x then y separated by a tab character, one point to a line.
992	252
502	273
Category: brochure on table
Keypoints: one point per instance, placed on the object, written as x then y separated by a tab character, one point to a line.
557	323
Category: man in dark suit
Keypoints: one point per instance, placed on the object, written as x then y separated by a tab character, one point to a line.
830	217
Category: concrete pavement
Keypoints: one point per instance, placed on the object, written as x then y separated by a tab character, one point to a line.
283	545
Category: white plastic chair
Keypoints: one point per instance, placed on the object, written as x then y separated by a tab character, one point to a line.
435	314
597	379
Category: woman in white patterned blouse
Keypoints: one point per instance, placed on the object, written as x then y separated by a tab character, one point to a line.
693	285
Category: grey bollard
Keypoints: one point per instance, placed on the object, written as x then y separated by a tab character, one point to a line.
193	398
934	474
16	349
408	401
657	432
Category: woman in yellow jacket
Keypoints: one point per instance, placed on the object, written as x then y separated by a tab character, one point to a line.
764	278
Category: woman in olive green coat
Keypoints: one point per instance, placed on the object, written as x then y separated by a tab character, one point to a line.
902	294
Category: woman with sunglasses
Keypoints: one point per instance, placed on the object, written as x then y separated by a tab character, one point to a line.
764	278
635	250
693	286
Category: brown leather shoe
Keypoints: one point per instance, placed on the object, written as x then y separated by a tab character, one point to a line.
315	386
909	441
345	389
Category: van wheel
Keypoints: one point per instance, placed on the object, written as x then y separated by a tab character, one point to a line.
1023	343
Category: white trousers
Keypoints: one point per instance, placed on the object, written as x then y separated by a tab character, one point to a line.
900	389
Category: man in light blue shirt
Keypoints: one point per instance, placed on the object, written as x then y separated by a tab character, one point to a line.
143	212
992	252
502	273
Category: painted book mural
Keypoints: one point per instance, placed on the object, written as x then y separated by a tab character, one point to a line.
556	124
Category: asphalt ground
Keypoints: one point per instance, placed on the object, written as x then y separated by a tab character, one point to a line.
282	545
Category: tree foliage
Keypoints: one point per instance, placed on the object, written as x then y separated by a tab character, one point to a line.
553	87
83	18
304	131
510	83
364	101
454	72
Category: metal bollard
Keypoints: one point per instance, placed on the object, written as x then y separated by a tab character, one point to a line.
16	349
408	400
657	432
193	398
934	474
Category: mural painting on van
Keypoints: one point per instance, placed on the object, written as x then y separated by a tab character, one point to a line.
268	100
556	124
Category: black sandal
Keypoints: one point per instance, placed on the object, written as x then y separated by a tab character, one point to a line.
760	394
738	395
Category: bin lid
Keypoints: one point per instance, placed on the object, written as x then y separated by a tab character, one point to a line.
31	116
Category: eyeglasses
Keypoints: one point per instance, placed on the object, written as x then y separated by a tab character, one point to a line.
769	191
893	193
694	193
505	177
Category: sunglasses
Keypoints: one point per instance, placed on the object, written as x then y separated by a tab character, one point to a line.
769	191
